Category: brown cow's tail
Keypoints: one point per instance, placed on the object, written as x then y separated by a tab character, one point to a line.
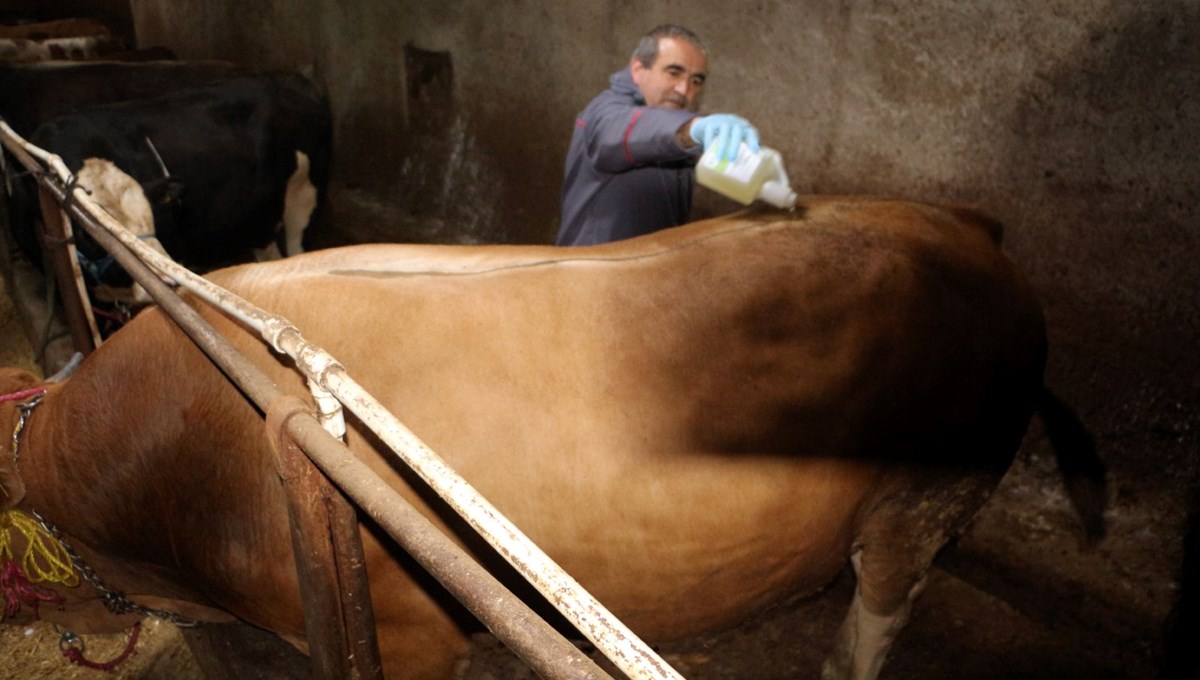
976	217
1083	473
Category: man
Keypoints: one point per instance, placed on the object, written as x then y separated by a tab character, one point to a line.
630	167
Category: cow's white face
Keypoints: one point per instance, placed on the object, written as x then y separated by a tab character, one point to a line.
119	194
676	78
124	199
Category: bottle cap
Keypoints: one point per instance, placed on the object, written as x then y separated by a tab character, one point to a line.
778	194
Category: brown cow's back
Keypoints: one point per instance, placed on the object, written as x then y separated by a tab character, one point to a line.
708	385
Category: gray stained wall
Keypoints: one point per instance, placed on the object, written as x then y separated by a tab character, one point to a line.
1075	122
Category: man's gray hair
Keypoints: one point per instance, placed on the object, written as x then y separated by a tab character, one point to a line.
647	49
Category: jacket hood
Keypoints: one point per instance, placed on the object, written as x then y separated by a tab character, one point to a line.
622	83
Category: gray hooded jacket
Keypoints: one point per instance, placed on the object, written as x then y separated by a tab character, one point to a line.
626	174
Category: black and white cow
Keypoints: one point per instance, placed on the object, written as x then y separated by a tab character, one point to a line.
31	94
226	167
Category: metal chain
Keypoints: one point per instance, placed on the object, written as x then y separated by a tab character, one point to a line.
114	600
25	409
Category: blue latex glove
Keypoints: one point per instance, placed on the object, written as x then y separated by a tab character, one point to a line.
726	131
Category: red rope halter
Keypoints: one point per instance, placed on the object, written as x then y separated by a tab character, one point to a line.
21	394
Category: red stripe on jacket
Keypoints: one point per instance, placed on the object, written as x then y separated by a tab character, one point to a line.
625	140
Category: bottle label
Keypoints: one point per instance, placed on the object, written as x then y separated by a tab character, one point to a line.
740	168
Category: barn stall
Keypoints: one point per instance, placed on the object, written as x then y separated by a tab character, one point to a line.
1071	122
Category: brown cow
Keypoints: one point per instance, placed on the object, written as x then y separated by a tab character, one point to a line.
694	424
59	39
56	28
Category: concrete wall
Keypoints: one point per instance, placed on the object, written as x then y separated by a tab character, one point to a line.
1075	122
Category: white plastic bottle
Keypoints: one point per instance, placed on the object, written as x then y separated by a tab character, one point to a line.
747	177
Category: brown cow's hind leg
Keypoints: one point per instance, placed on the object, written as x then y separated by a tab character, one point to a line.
866	636
893	553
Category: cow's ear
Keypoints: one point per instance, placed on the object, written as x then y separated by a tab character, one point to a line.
164	191
16	379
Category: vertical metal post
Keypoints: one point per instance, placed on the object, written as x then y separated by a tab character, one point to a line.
338	616
59	250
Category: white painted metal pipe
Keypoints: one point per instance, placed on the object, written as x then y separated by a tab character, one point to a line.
628	652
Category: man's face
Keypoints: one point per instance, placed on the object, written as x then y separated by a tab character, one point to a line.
676	79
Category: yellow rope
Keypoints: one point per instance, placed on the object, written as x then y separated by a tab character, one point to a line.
45	558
